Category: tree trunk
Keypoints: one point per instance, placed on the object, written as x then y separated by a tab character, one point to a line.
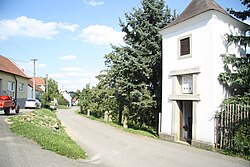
120	115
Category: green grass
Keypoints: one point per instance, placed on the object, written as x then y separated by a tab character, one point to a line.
43	127
134	131
233	154
62	107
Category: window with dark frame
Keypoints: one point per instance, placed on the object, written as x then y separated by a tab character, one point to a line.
11	86
21	87
185	46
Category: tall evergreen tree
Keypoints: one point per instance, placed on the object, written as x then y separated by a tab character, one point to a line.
136	68
236	78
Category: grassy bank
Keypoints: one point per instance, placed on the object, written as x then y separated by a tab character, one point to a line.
130	130
43	127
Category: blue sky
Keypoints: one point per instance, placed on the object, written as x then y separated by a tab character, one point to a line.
68	37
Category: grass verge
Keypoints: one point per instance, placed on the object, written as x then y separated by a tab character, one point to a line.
233	154
43	127
138	132
62	107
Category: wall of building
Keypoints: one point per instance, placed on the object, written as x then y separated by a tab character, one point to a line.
21	94
207	34
30	93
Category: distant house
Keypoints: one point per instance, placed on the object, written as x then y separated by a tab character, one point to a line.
40	83
74	101
13	80
191	93
66	96
39	88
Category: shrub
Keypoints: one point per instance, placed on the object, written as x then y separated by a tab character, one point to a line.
242	140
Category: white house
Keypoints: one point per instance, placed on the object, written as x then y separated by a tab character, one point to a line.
66	96
191	93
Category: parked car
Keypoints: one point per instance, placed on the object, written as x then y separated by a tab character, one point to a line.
32	103
53	106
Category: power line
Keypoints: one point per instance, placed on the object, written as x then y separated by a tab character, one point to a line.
23	61
20	48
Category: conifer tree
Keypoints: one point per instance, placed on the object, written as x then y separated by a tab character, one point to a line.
236	78
135	70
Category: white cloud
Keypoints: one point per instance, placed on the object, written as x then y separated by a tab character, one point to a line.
41	65
2	37
29	27
91	81
56	75
67	26
69	57
71	69
74	74
28	67
102	35
74	80
93	2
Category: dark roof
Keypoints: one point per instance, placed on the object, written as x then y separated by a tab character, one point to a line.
8	66
197	7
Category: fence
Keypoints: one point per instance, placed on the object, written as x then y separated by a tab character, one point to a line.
226	123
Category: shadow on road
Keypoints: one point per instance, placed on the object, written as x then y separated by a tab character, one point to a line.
13	113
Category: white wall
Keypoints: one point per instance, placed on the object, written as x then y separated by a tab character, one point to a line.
66	95
42	87
208	42
29	92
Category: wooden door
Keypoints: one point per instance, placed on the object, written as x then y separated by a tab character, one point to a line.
185	121
180	103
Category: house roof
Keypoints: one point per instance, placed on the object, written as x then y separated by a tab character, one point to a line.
37	88
8	66
197	7
39	81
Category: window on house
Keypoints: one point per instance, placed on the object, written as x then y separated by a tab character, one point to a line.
187	84
11	86
21	87
185	47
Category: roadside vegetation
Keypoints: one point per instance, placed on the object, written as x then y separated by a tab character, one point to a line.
130	130
43	127
131	83
52	96
62	107
130	87
236	81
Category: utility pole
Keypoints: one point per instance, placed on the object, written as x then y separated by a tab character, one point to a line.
34	78
47	86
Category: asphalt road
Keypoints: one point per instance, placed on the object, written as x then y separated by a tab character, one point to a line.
110	147
16	151
106	147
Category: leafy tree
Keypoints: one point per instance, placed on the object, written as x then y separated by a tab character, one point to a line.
236	77
62	100
85	98
236	80
104	99
51	93
98	99
243	15
134	70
